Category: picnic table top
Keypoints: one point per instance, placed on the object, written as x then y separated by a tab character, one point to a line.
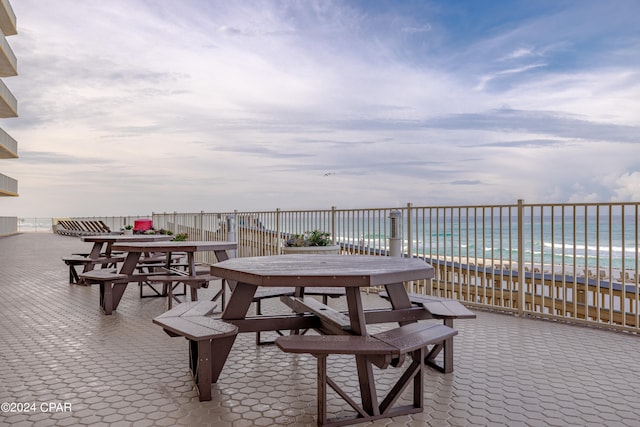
130	238
170	246
322	270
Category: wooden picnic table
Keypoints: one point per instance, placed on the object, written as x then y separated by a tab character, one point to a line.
113	285
104	244
101	253
301	271
136	249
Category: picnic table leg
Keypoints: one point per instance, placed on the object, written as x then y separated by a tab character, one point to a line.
398	297
222	347
73	274
106	297
448	349
96	250
322	389
202	372
364	367
118	290
237	308
447	346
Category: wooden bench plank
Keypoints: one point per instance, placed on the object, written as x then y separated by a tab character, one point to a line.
440	308
200	308
334	344
194	281
413	336
329	317
400	340
105	274
195	328
448	309
395	343
179	309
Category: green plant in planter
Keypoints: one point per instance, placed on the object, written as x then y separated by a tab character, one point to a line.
128	227
180	237
309	238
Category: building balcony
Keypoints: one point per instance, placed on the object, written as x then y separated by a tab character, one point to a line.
8	61
8	146
8	186
7	19
8	102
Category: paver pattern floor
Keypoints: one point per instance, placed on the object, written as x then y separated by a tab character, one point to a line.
64	363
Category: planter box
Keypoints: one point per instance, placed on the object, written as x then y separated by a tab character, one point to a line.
325	250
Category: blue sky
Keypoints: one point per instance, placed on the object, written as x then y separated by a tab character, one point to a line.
136	106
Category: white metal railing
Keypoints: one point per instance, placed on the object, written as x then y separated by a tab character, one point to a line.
10	56
9	99
10	145
571	262
8	185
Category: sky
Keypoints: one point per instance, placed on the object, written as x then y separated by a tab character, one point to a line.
132	107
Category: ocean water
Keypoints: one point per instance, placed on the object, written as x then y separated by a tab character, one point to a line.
595	243
35	225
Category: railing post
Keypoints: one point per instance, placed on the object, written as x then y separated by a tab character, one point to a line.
333	225
521	283
409	231
175	224
202	235
231	232
278	236
395	238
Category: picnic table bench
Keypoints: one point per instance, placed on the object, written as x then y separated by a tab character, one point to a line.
112	285
263	293
382	349
447	310
76	260
190	320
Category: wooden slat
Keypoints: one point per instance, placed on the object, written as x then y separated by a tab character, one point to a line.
179	309
327	315
448	309
334	344
413	336
189	327
104	274
200	308
439	308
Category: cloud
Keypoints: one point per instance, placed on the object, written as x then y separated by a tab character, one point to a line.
626	187
238	105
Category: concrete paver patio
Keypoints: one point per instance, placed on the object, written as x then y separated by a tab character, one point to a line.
72	365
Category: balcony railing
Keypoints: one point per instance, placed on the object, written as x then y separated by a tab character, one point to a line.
8	102
8	225
7	19
8	146
567	262
8	61
8	186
